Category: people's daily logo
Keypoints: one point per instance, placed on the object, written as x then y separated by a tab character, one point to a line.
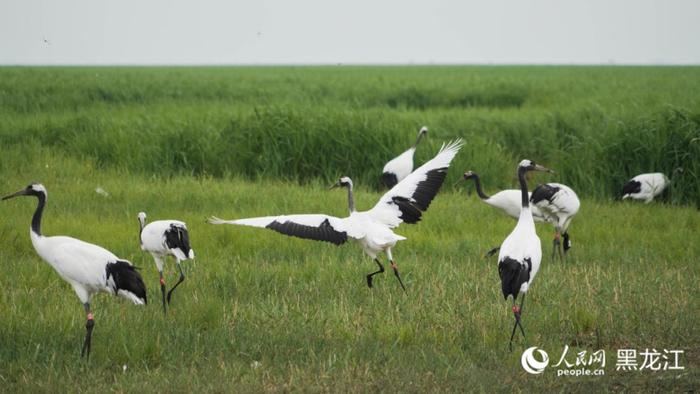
586	362
531	364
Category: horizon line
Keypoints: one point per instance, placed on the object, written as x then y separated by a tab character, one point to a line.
349	64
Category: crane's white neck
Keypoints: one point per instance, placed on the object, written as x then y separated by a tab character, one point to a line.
142	224
42	246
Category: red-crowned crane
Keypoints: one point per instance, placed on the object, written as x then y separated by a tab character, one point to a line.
163	238
401	166
645	186
372	230
507	201
559	204
88	268
521	252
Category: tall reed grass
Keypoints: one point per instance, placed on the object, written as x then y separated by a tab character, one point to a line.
598	126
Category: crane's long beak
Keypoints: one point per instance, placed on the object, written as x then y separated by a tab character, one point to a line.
22	192
460	180
333	186
543	168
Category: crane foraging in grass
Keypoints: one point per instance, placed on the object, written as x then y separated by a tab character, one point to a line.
645	186
507	201
559	204
164	238
521	252
372	229
88	268
401	166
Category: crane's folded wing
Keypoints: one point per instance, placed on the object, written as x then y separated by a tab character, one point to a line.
79	261
554	199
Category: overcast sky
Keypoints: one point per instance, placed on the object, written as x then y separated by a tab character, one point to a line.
350	31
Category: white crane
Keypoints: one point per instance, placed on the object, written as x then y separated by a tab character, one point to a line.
645	186
559	204
506	200
88	268
372	230
521	252
401	166
163	238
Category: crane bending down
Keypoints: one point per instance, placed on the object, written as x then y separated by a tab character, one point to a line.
645	186
521	252
507	201
164	238
88	268
372	230
559	204
401	166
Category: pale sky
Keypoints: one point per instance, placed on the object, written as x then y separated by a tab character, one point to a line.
349	32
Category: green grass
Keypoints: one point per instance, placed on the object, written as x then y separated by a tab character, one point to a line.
302	309
256	141
597	126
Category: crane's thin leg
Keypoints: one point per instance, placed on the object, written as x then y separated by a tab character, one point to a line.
492	251
162	289
510	344
182	278
559	248
398	276
369	277
89	325
516	313
520	312
395	268
556	246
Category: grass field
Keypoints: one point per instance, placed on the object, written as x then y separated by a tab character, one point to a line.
260	311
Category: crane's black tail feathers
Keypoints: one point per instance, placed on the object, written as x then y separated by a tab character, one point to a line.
177	237
567	242
631	187
125	280
513	274
389	179
543	192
